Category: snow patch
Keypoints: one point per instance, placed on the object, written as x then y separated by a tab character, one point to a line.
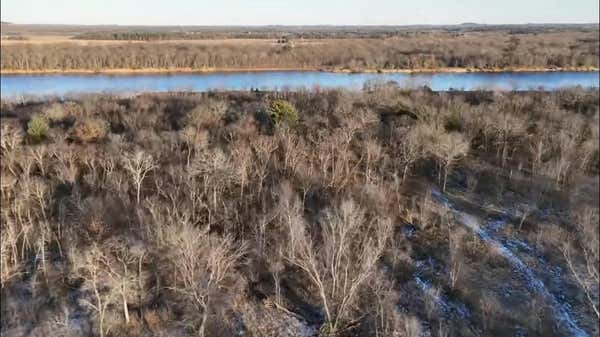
488	234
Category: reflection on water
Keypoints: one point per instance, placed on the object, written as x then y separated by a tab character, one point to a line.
64	84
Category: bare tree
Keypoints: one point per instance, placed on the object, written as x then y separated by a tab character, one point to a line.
411	149
523	211
67	168
335	159
11	138
209	113
448	148
342	261
455	242
588	276
202	262
507	126
217	174
389	320
195	140
89	266
567	151
138	165
242	159
276	268
372	155
10	263
588	149
125	276
293	147
40	156
411	326
263	148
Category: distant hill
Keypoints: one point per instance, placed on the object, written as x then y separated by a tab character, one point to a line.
124	32
470	24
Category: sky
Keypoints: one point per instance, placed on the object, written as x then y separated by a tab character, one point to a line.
298	12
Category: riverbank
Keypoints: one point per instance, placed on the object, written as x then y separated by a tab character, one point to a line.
129	71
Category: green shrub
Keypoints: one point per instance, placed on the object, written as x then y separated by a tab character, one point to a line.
283	112
38	128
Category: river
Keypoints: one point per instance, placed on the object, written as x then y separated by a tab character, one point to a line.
18	86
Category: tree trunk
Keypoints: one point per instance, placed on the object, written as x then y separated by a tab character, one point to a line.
445	179
404	172
101	323
125	309
202	327
139	187
504	153
140	287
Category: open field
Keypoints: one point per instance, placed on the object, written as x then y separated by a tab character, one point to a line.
478	48
383	212
66	39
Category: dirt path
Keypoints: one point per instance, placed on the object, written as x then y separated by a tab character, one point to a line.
488	233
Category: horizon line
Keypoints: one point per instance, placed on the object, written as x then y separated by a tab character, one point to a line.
304	25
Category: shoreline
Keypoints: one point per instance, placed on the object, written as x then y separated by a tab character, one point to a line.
128	71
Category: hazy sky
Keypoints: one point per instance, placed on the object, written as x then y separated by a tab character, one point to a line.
295	12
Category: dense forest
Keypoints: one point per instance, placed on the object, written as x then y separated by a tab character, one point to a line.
425	50
119	32
382	212
313	32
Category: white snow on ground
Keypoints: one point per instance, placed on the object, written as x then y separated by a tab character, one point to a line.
448	308
561	310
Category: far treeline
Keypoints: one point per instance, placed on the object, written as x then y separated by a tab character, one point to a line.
310	32
494	50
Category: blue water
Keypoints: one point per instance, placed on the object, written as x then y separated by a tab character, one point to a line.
14	86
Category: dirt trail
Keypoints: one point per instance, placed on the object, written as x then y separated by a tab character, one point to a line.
449	309
488	233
